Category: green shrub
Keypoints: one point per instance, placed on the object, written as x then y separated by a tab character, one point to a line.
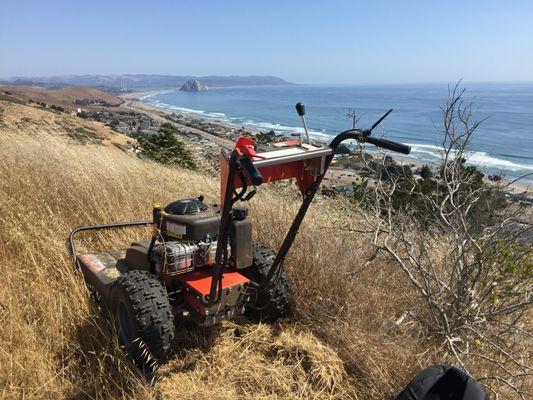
419	196
166	148
512	265
265	137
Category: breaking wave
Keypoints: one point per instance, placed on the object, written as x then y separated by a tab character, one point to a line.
279	128
432	153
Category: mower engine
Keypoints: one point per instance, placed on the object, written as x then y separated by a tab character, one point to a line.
187	238
174	258
182	253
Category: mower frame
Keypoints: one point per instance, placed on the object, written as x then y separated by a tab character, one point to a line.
72	235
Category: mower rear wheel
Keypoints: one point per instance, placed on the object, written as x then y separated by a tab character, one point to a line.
143	317
272	301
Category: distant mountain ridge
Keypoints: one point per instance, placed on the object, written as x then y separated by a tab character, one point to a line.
143	81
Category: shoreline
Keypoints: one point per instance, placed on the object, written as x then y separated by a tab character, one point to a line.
339	176
138	95
405	159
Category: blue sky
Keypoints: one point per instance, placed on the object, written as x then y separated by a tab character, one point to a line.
301	41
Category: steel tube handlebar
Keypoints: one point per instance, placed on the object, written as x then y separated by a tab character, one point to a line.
363	136
71	236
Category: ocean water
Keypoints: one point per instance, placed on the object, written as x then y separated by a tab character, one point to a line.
503	142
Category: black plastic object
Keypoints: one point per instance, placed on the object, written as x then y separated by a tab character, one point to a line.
389	145
240	213
240	238
300	109
251	170
186	207
443	382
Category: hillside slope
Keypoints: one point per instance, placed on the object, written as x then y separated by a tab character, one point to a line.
69	97
340	342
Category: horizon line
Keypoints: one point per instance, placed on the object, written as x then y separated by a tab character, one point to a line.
429	82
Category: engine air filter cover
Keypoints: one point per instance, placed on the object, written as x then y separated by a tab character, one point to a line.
187	206
190	219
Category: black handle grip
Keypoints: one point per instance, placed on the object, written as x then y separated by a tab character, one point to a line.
389	145
300	109
251	170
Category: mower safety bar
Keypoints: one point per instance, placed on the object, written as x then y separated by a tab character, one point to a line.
71	237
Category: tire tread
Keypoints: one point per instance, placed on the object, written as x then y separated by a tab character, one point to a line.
152	313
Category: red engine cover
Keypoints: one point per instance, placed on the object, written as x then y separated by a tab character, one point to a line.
200	281
199	284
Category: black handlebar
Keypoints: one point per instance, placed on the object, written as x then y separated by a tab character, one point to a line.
251	170
363	135
389	145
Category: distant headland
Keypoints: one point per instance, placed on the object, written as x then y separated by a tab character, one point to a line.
194	85
141	82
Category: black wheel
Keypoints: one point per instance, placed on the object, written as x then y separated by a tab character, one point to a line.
271	301
143	317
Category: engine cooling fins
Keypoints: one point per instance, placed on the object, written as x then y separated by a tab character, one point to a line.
186	206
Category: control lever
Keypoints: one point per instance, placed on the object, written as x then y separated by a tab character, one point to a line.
379	121
300	109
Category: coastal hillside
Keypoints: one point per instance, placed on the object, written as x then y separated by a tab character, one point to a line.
345	339
29	120
68	97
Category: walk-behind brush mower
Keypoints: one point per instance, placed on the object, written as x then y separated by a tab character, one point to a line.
201	264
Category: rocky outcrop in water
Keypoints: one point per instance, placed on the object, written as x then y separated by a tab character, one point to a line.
194	85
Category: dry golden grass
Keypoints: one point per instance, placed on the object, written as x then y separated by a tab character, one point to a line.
54	344
62	97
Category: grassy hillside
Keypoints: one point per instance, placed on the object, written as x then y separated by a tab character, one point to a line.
65	97
341	342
